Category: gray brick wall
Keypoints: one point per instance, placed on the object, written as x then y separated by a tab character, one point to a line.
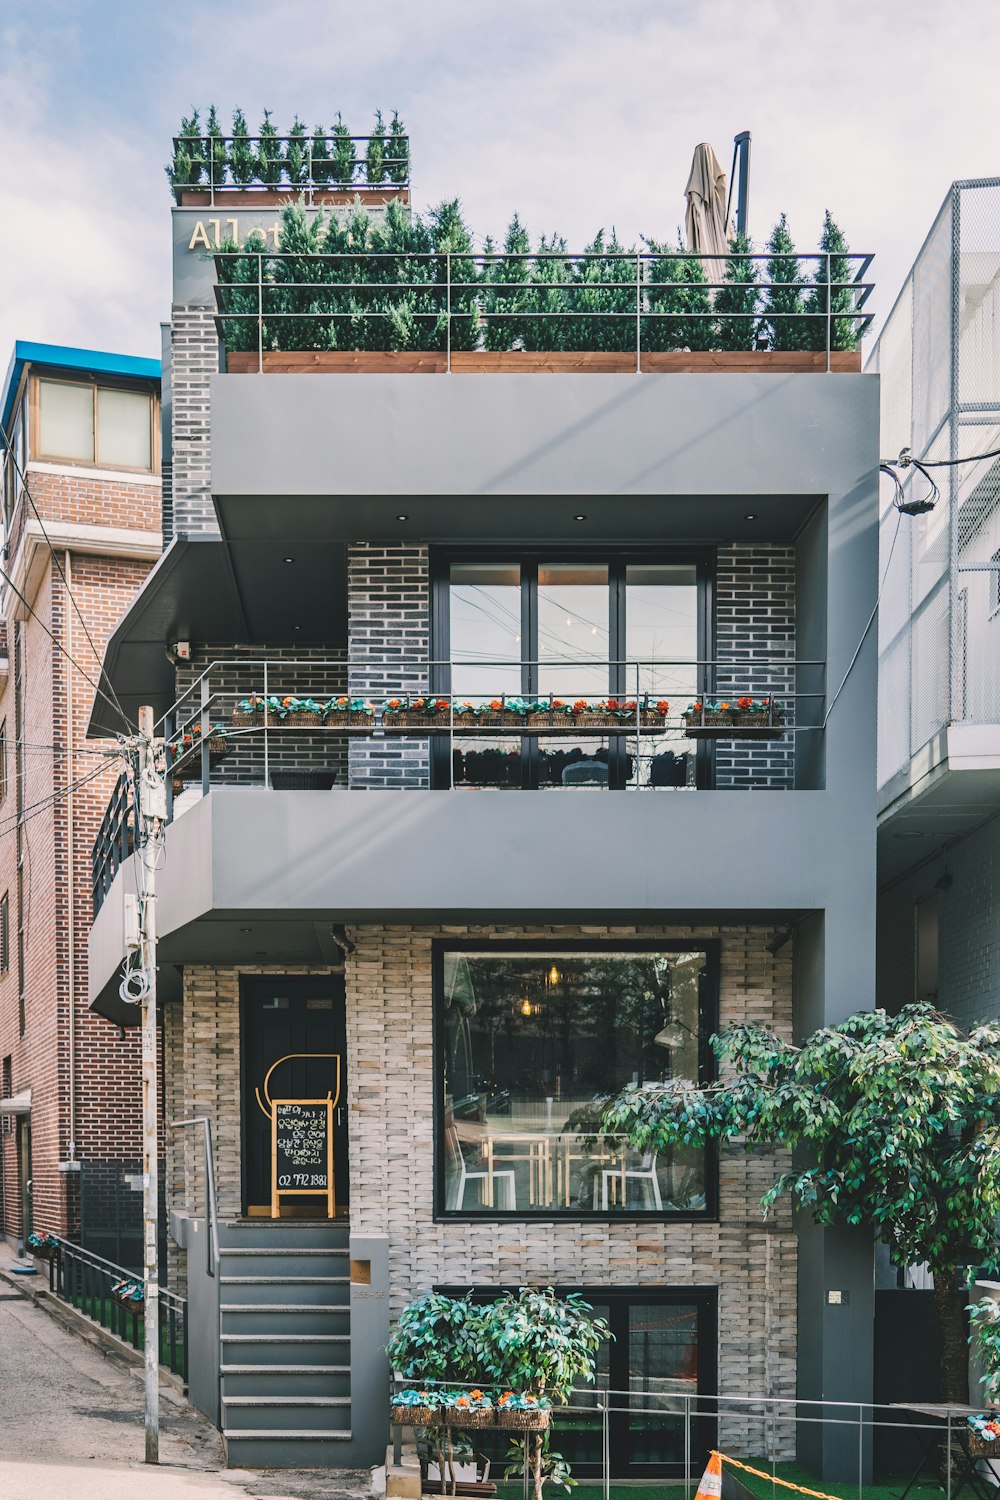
390	1112
388	633
755	622
194	359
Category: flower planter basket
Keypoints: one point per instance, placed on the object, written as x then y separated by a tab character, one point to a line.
355	719
591	719
406	719
735	723
302	719
468	1416
247	720
218	749
415	1416
521	1419
45	1252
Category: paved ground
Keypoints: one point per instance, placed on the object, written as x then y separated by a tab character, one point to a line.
71	1425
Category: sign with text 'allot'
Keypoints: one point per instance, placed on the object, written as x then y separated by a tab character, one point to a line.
302	1151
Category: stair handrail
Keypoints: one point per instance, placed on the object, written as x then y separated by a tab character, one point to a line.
213	1207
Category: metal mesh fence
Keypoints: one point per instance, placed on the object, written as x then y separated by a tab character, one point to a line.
939	359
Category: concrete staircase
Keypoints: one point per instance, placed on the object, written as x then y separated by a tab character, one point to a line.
284	1303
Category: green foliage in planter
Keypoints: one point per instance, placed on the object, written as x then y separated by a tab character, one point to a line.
297	154
782	303
984	1324
437	1338
295	300
269	156
451	238
375	170
503	329
397	150
187	165
678	299
895	1122
603	302
819	302
736	301
321	167
242	159
215	150
345	159
551	273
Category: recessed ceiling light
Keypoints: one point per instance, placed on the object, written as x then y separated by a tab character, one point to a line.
288	559
246	929
751	515
580	517
402	518
296	627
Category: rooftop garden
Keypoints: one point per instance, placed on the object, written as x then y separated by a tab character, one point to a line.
208	158
405	283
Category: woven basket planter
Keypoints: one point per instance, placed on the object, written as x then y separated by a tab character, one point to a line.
44	1252
980	1447
592	720
247	720
415	1416
734	725
524	1421
650	719
468	1416
355	719
543	720
404	719
302	720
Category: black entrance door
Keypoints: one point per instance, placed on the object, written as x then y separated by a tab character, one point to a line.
293	1033
24	1176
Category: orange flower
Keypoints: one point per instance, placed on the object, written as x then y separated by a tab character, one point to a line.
476	1395
507	1396
496	705
462	1401
744	703
725	705
663	707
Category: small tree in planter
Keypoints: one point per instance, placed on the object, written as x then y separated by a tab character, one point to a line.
345	158
375	170
450	236
604	315
436	1341
552	274
782	300
188	162
675	285
503	329
397	152
736	301
215	148
540	1345
242	160
295	280
269	157
296	153
819	301
321	168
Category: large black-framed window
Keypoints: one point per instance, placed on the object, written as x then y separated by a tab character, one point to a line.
658	1376
530	1039
572	622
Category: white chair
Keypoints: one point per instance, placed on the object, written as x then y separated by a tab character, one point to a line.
645	1174
461	1176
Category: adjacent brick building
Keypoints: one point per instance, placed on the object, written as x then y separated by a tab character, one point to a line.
81	499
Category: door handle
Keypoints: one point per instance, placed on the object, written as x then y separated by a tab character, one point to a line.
338	1115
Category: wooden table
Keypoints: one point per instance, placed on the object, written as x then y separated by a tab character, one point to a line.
954	1420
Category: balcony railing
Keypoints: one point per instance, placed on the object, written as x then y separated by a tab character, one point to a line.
461	312
219	168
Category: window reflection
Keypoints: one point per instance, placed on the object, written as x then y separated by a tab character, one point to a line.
533	1045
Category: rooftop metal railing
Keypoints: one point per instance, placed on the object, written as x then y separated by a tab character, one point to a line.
459	304
224	166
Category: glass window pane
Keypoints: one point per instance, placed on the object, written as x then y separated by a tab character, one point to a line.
661	646
485	607
66	415
123	429
533	1046
573	629
663	1364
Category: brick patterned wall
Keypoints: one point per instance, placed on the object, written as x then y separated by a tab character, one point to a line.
390	1065
194	359
755	620
388	634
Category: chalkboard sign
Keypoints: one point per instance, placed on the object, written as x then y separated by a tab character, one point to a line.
301	1150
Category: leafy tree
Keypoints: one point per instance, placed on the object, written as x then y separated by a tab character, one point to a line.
269	157
895	1119
188	162
736	300
215	150
450	236
321	168
242	160
344	156
819	301
297	153
678	299
984	1317
782	308
375	169
398	150
436	1338
502	328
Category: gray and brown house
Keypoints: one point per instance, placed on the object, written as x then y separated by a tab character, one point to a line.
467	933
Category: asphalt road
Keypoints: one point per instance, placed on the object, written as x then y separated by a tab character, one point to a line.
71	1425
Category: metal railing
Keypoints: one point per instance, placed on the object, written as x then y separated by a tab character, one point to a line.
224	166
211	1198
679	1426
86	1282
115	840
635	305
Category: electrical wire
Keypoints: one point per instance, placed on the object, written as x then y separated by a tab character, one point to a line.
69	592
33	809
944	463
864	633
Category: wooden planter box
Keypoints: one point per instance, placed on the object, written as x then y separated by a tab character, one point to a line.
734	726
232	197
584	362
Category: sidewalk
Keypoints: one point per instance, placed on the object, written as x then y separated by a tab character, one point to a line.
71	1423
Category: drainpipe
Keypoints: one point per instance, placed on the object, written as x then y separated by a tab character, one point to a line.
71	881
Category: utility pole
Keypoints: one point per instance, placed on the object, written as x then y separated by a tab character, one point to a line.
151	813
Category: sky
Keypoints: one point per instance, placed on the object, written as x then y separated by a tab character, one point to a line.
578	114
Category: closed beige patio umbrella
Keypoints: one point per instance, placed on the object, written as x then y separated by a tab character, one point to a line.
705	227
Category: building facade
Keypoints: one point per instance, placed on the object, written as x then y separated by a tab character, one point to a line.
81	513
467	933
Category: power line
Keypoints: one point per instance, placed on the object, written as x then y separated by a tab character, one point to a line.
34	808
30	498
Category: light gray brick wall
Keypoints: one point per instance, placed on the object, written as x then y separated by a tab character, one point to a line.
194	359
755	623
388	635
